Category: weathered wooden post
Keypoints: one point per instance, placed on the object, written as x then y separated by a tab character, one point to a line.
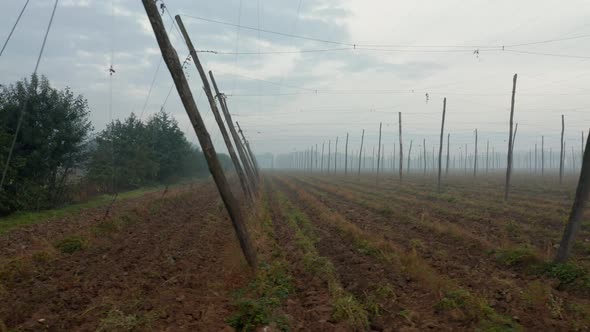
475	156
232	153
448	154
401	148
542	155
361	152
424	153
249	152
379	152
240	147
409	155
322	162
175	67
561	154
335	155
487	155
440	147
509	162
346	156
577	211
329	154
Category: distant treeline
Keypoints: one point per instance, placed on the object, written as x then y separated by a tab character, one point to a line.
58	159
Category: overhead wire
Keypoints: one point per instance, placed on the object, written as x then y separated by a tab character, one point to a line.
26	101
14	27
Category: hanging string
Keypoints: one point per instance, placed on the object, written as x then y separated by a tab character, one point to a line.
26	102
14	27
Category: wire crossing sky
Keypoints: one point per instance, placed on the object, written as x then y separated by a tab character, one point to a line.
302	72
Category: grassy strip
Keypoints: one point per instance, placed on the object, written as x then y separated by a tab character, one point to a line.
346	307
455	298
27	218
260	302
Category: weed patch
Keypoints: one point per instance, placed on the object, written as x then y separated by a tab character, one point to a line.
71	244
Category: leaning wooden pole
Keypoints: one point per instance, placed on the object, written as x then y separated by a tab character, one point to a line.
409	155
561	154
440	145
448	154
401	148
577	212
509	161
249	152
175	67
361	152
234	134
346	156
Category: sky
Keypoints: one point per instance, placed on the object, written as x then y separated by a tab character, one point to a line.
359	63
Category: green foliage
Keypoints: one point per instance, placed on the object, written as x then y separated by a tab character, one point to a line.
519	256
133	154
258	303
51	143
454	299
567	272
347	308
118	321
71	244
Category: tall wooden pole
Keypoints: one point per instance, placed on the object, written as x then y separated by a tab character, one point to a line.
228	120
329	154
542	155
336	155
175	67
346	156
249	151
440	145
475	156
424	153
561	154
322	163
401	148
232	153
487	155
409	155
509	162
577	212
448	154
379	151
361	152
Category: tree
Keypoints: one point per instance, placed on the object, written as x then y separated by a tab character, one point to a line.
50	145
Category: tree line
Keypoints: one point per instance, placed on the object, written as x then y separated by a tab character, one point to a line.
58	158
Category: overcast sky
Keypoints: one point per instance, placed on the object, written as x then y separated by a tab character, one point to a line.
306	95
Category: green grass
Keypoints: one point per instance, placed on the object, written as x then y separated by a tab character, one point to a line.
71	244
19	219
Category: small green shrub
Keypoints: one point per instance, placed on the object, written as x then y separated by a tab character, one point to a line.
258	303
71	244
519	256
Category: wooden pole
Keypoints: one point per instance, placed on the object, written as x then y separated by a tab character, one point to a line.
249	152
487	155
346	156
542	155
379	152
401	148
240	147
448	154
509	161
577	212
335	155
424	153
475	156
175	67
440	146
216	114
322	163
409	154
329	154
361	152
561	154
